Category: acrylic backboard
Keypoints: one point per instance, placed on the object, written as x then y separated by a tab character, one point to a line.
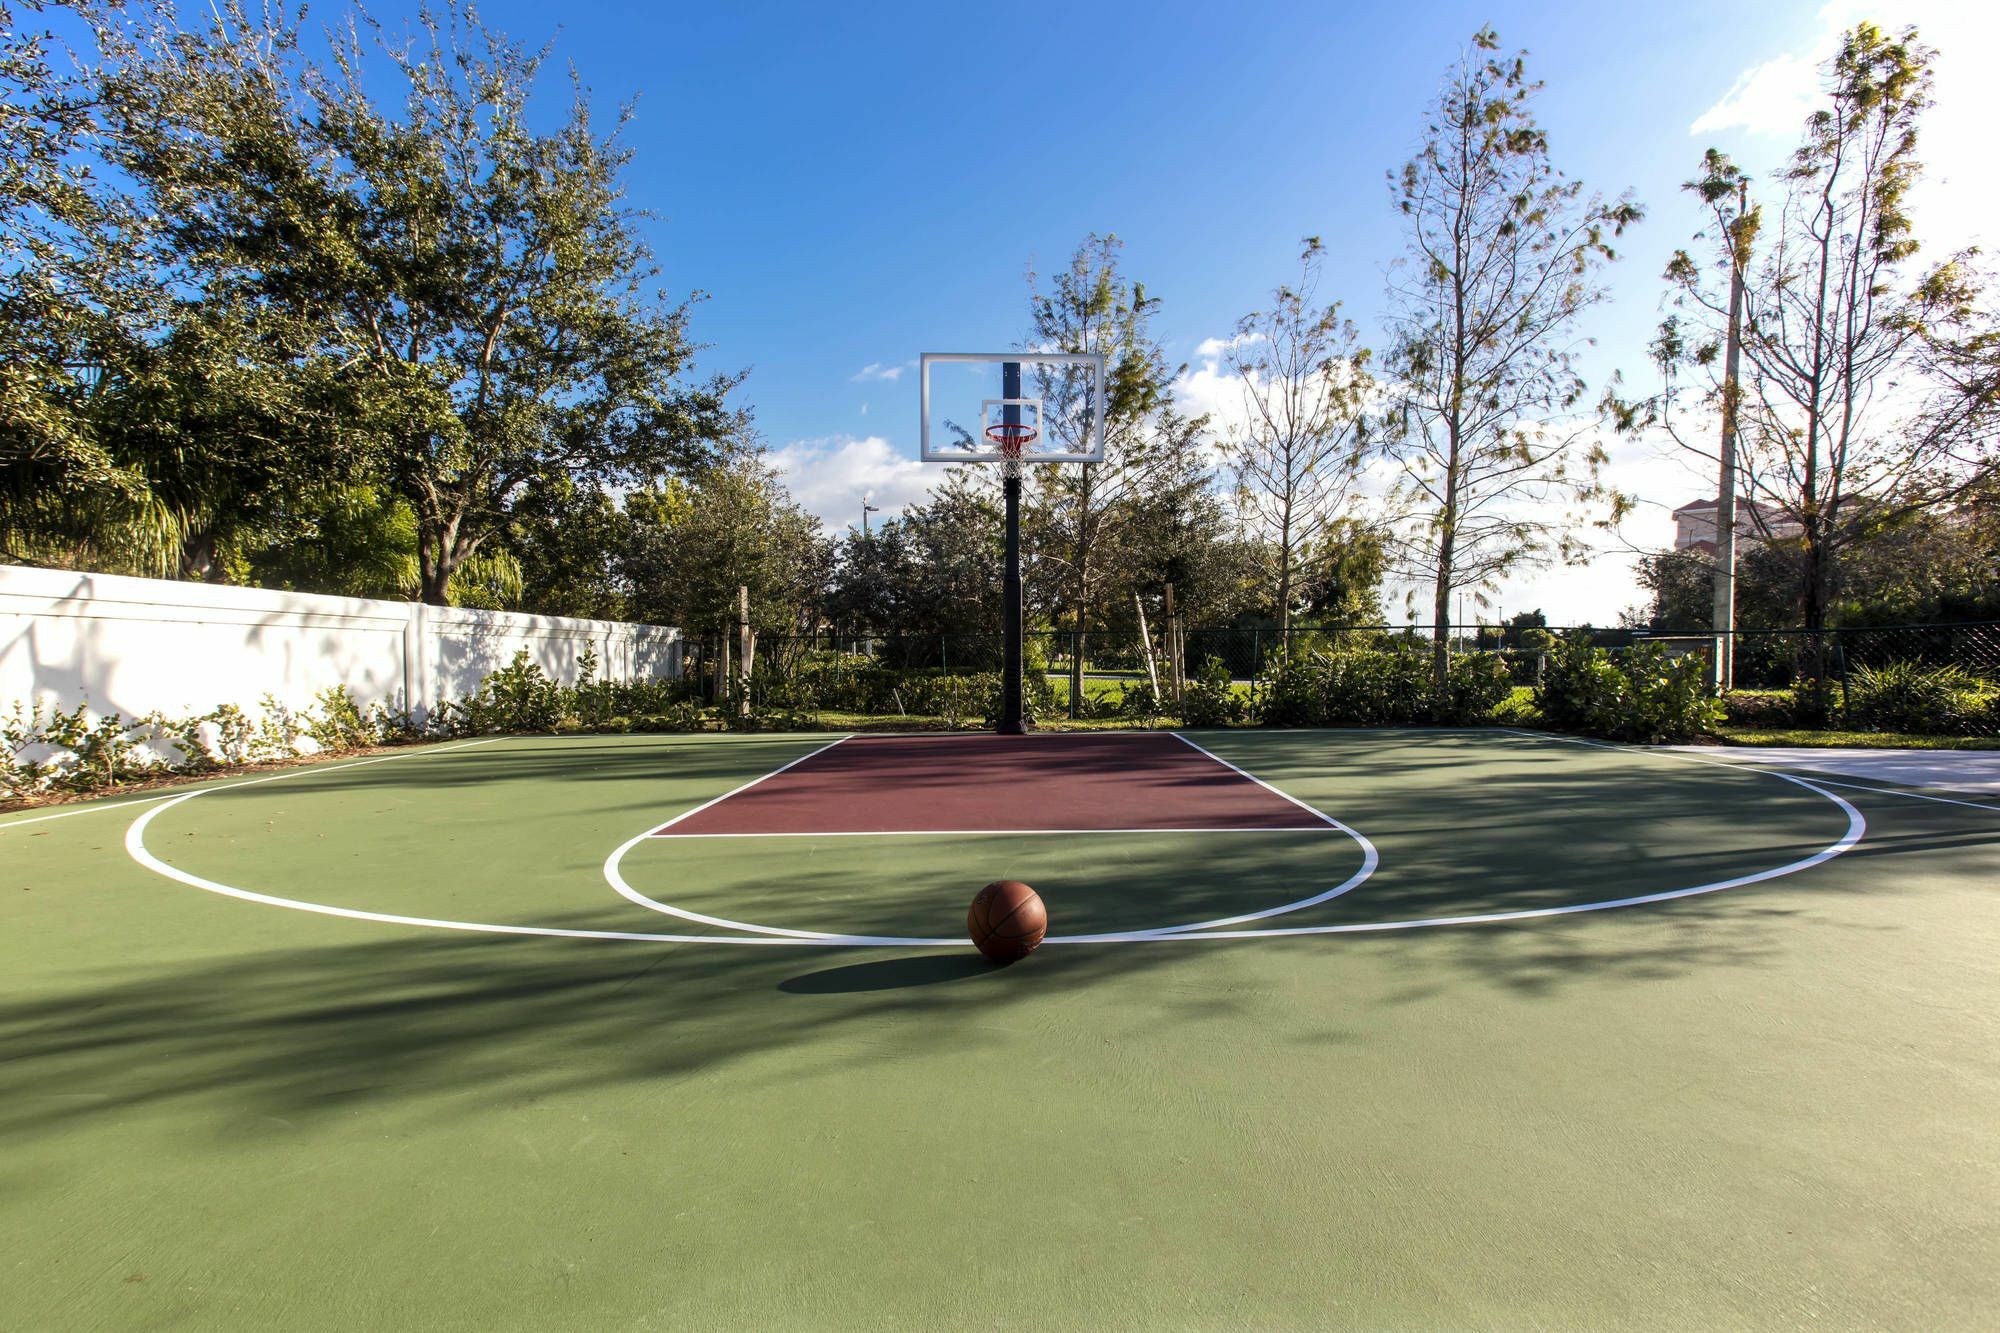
1051	402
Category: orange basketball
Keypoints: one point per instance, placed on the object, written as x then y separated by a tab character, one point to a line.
1007	920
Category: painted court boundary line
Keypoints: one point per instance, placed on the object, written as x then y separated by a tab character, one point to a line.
613	875
1881	791
1813	776
993	832
136	848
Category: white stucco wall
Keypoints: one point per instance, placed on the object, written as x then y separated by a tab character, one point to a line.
130	646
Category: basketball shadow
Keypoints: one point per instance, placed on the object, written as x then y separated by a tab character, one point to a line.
890	974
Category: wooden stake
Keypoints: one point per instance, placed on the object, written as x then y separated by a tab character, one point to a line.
1146	645
743	645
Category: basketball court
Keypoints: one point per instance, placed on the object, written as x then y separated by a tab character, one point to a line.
1393	1027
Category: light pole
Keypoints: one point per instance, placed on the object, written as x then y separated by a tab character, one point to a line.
866	510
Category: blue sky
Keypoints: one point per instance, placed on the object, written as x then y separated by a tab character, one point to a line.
853	185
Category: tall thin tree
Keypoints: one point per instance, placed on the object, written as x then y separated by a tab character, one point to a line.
1299	450
1082	512
1848	413
1503	254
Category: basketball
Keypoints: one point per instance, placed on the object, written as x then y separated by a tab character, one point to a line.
1006	920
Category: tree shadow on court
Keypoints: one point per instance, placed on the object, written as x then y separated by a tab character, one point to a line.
927	969
419	1023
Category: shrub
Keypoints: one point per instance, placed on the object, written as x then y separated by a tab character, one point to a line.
684	716
1641	695
1210	699
235	734
1909	696
1388	685
591	701
392	725
517	697
1137	703
1475	686
277	733
339	724
1760	708
189	736
80	753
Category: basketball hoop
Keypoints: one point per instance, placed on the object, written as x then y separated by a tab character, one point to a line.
1011	437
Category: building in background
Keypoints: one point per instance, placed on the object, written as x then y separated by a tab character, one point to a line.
1694	524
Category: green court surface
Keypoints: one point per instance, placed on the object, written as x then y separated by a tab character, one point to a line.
1458	1092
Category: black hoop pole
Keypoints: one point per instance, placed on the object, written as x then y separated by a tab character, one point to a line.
1012	722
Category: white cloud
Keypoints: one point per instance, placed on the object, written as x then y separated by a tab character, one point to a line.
829	477
1772	98
876	370
1213	349
1959	195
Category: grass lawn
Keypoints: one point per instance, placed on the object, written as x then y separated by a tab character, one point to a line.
1875	740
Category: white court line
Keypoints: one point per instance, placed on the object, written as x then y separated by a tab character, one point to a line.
94	806
89	808
1883	791
1284	795
1370	858
996	832
1856	828
689	814
135	847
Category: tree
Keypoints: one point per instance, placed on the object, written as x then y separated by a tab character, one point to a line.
476	288
694	541
1848	417
1083	514
1342	571
1503	256
75	301
933	572
1299	452
571	542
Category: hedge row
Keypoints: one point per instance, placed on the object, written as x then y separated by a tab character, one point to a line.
1898	696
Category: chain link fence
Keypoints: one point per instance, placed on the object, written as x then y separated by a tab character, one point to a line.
1831	678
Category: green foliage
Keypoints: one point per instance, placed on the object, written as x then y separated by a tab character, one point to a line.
456	278
1387	684
1476	685
1210	699
693	542
1913	697
516	698
1760	708
679	717
1640	695
338	724
1504	254
847	683
44	749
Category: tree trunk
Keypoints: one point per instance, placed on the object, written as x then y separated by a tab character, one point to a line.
1818	572
1441	593
1441	623
198	558
1285	601
1076	663
439	554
